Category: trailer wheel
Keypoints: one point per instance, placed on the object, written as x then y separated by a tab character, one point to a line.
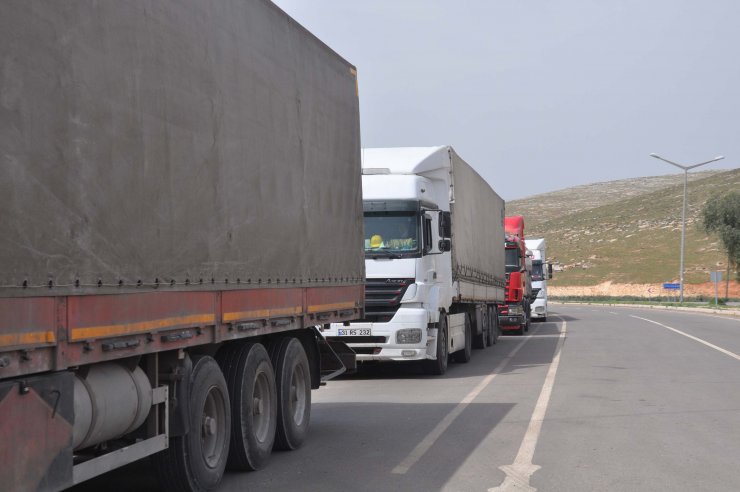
493	326
251	383
465	354
293	378
196	461
481	340
438	366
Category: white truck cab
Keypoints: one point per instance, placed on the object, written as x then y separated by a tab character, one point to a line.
541	273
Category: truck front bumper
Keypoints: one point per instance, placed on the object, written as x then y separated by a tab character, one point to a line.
539	309
539	313
509	321
380	341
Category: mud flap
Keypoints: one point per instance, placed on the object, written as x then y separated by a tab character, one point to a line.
336	358
178	373
36	429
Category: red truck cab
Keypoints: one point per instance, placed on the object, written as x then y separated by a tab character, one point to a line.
514	315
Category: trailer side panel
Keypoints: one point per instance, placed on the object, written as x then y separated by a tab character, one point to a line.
180	144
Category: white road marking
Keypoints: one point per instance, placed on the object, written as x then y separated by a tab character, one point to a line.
519	472
421	449
719	349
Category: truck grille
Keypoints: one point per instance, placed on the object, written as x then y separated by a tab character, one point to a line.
535	292
383	297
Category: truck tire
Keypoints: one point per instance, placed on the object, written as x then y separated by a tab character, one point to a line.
519	331
480	341
493	325
439	366
196	461
293	381
251	382
464	355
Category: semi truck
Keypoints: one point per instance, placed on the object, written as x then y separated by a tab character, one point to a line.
434	265
541	273
515	313
180	189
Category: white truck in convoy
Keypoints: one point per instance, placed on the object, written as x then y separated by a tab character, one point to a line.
433	257
541	272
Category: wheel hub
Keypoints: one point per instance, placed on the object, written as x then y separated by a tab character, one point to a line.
209	426
258	406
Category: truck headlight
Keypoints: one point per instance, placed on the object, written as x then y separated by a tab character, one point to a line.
515	309
541	294
408	335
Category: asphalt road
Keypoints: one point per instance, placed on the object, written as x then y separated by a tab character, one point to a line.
596	398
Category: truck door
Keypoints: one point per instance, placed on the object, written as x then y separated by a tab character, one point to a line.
436	259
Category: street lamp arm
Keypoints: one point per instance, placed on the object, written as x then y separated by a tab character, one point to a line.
686	168
669	162
718	158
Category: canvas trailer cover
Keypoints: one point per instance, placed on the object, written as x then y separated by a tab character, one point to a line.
477	230
173	174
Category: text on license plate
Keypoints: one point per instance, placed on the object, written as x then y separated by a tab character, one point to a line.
354	332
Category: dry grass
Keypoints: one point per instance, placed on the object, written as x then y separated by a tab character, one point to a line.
627	231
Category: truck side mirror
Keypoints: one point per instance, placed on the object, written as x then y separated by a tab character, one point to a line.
549	270
445	245
445	225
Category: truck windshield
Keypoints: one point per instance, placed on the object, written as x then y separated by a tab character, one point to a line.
394	234
512	260
537	271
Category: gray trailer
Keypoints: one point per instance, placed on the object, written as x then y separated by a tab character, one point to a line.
478	263
181	209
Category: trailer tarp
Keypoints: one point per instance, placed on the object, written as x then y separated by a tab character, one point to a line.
477	227
174	141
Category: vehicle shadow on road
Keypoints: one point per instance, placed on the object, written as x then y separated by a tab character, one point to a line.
351	446
555	317
357	446
539	349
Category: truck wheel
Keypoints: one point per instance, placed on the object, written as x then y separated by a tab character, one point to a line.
293	379
481	340
196	461
439	366
251	383
465	354
493	326
522	327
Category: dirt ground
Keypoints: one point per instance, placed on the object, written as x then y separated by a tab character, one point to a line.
644	290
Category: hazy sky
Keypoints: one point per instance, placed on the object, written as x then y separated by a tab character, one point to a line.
542	95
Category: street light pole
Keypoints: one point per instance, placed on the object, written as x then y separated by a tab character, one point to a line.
683	212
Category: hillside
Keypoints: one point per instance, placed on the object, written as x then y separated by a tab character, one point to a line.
627	231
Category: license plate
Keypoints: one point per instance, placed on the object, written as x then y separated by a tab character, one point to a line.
354	332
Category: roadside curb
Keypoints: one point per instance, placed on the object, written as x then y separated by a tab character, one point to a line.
732	313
